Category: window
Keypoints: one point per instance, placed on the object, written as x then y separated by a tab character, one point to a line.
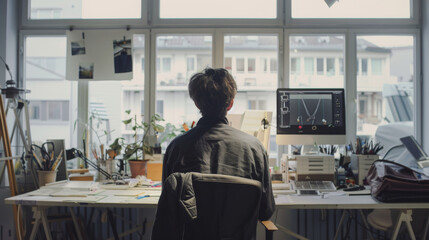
273	65
172	87
320	66
376	66
240	64
364	66
228	63
190	64
142	64
319	54
295	66
382	90
219	9
251	65
330	66
351	9
264	64
166	65
52	113
256	90
309	66
160	107
85	9
49	111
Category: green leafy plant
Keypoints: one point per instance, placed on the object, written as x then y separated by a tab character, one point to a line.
136	150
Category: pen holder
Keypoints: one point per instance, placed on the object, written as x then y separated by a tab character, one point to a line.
46	177
360	164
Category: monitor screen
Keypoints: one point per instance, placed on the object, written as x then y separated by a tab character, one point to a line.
309	116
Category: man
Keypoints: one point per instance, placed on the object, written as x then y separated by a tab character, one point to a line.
213	146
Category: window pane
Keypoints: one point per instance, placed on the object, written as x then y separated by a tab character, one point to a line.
108	101
351	9
321	53
330	66
266	9
85	9
172	86
256	89
320	67
251	65
385	92
52	113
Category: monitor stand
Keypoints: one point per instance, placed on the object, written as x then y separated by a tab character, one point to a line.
310	149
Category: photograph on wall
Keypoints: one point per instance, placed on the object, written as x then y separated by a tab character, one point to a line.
122	56
78	48
86	71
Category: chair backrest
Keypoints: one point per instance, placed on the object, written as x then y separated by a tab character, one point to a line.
227	208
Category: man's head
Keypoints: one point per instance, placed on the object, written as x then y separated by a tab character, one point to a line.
213	91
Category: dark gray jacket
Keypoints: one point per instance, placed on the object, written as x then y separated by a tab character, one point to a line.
213	146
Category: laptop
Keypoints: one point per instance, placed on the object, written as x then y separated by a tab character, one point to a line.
416	150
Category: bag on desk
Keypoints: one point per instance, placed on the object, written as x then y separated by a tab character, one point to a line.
393	182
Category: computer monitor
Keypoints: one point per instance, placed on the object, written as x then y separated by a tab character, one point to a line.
310	116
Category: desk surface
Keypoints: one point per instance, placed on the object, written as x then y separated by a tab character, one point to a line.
126	198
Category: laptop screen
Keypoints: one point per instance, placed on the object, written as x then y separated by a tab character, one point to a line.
414	147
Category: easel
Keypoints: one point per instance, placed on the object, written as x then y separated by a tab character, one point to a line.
4	135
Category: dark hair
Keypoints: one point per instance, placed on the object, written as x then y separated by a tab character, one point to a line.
212	91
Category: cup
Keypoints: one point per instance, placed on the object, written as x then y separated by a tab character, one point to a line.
46	177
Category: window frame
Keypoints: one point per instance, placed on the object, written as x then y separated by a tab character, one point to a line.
344	22
158	21
92	23
284	26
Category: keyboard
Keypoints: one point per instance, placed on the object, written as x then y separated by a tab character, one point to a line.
322	186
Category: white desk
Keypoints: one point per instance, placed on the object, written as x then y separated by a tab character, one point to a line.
108	199
346	202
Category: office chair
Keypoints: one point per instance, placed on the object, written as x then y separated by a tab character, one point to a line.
209	206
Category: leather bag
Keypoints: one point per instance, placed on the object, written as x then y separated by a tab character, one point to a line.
394	182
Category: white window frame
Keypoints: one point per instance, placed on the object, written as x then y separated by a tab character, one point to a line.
345	22
92	23
157	21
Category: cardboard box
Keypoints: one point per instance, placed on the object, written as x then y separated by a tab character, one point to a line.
154	170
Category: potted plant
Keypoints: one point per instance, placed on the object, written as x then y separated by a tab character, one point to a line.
139	152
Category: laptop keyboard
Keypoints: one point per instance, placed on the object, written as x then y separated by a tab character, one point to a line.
322	186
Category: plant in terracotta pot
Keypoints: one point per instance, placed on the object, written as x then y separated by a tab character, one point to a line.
140	151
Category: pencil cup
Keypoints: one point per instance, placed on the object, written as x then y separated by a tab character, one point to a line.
46	177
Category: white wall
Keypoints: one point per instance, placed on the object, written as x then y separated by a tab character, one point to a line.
425	74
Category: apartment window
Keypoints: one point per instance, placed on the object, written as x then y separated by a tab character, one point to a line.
330	66
341	65
190	64
377	66
320	66
295	66
49	111
219	9
273	65
264	64
362	107
166	64
239	63
228	63
364	66
251	65
85	9
142	64
309	66
160	107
